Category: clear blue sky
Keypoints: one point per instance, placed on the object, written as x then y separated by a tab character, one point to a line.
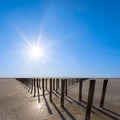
84	37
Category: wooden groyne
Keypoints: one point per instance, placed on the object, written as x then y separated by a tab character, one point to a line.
35	85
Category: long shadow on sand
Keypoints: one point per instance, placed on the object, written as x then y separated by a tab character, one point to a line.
111	112
98	109
106	113
48	107
84	104
68	113
59	112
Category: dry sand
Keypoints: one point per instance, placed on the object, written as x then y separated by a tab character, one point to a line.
17	104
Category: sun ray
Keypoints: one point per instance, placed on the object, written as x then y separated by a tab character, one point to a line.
37	51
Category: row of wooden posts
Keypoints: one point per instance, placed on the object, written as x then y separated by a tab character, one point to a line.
35	85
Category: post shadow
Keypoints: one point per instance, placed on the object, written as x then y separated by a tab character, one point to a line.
29	88
69	114
106	113
48	107
59	112
110	111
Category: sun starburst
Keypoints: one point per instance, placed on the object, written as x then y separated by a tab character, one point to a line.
37	51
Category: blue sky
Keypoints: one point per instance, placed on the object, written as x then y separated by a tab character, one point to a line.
82	36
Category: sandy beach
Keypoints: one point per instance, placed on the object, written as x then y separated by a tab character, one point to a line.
16	103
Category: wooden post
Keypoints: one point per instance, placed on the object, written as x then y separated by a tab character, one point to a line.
50	89
37	83
34	88
43	87
38	91
66	87
40	84
53	84
62	92
80	89
57	85
103	93
90	99
46	83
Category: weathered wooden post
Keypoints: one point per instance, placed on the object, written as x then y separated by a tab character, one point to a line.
66	86
62	92
53	84
50	89
34	88
80	89
90	99
103	93
46	83
43	87
38	90
39	83
57	85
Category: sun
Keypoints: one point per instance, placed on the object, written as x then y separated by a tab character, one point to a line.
36	51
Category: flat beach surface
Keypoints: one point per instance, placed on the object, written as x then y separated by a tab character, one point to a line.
17	104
